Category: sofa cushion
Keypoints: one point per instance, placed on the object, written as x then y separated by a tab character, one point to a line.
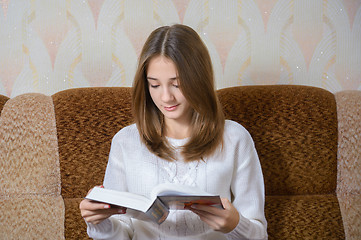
304	217
32	217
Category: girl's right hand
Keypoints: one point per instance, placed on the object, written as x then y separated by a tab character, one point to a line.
95	212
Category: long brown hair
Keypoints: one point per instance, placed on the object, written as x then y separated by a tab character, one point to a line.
184	47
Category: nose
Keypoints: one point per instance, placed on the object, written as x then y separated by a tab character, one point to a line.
167	95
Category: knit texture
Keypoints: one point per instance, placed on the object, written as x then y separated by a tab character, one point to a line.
29	170
133	168
349	161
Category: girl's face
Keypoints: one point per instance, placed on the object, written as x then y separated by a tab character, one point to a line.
162	76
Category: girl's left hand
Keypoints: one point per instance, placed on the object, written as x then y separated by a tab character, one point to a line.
223	220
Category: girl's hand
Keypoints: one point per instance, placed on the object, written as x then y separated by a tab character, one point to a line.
95	212
223	220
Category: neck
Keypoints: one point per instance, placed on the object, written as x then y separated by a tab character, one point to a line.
177	130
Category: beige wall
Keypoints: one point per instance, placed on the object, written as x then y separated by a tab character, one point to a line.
48	46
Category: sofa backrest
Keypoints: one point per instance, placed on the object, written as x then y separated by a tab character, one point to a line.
86	120
3	100
295	132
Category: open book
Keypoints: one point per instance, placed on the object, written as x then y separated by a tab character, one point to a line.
163	197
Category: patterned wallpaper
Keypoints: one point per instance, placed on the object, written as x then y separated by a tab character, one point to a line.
48	46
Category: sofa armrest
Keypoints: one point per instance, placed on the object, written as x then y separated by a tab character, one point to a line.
349	161
31	206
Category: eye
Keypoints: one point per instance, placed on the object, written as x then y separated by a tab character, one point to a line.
175	85
153	86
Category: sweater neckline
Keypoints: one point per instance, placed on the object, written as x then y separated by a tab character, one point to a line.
175	142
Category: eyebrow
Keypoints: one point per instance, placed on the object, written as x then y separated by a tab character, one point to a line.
156	79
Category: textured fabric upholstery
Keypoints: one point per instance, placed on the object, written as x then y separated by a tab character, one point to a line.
349	157
295	133
292	127
3	100
87	119
29	170
53	149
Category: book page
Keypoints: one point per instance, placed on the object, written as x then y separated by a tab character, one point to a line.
123	199
166	189
177	196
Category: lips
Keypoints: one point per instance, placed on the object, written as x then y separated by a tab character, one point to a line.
171	108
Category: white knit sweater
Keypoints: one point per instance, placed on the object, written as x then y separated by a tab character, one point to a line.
234	170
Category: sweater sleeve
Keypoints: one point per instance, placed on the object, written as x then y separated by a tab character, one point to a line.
116	226
248	189
110	229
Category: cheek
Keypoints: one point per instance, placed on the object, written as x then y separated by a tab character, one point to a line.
183	99
188	106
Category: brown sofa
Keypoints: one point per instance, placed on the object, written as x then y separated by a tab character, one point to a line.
54	148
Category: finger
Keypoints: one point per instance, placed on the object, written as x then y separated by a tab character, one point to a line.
92	205
208	218
99	215
207	215
228	207
96	218
91	212
223	220
210	209
226	203
108	211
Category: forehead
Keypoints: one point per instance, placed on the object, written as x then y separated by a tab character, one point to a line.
161	66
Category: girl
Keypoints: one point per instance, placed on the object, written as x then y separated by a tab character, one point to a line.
180	136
